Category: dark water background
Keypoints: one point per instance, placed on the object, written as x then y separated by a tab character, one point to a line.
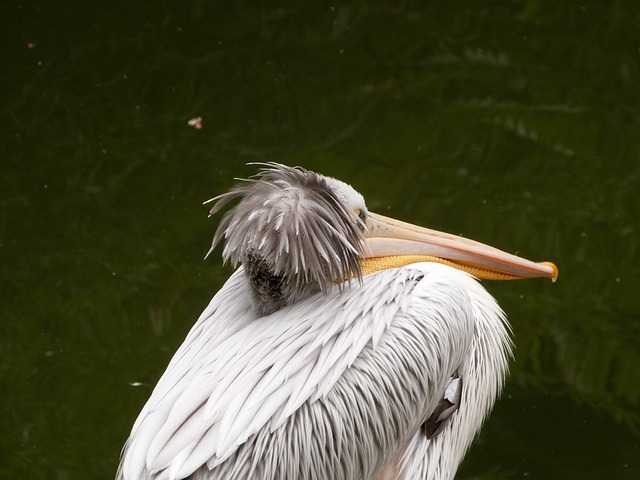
512	122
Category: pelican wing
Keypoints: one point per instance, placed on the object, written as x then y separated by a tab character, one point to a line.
318	372
227	313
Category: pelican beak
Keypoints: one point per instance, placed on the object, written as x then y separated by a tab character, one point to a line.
391	243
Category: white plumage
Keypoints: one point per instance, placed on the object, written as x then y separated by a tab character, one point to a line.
338	384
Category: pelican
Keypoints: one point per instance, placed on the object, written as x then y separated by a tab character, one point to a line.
345	346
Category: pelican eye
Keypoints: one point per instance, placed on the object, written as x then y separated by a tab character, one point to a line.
362	218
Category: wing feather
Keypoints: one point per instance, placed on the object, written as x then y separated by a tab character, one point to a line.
237	379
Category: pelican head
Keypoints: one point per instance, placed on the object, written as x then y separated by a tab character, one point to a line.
297	232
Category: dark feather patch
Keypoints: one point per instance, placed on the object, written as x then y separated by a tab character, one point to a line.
445	408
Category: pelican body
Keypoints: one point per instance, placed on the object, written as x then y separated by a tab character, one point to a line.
345	346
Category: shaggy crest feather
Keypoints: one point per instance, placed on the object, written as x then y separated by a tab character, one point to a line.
293	228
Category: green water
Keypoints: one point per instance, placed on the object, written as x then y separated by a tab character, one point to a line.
512	122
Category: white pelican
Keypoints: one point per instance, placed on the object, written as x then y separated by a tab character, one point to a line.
346	346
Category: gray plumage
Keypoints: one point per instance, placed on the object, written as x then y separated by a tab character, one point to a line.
292	232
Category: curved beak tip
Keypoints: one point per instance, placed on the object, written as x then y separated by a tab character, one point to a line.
554	274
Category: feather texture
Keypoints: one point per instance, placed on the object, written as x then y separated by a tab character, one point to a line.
294	371
317	398
294	232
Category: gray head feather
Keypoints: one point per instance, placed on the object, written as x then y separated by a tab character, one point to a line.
293	230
